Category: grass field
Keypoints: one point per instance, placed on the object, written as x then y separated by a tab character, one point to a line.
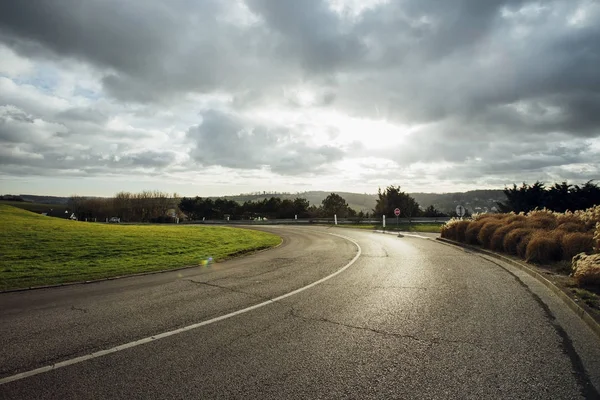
37	250
431	228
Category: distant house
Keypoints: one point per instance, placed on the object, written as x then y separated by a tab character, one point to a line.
64	214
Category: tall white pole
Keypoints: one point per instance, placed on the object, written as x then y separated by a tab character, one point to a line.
335	219
384	222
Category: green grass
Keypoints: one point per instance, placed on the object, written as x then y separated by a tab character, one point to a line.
34	207
36	250
431	228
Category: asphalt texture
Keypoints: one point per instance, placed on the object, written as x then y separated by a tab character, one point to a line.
410	318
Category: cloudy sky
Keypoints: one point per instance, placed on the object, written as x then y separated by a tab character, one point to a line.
209	97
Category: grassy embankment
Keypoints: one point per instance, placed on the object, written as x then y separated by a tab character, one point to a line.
34	207
37	250
404	227
563	244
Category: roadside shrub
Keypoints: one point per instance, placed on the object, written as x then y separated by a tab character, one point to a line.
542	220
522	246
590	217
514	218
497	239
487	230
472	231
544	247
586	269
448	231
516	237
539	236
591	225
572	226
567	217
461	228
576	242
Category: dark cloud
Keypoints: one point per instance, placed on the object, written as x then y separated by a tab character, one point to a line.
231	141
310	32
83	115
149	50
110	33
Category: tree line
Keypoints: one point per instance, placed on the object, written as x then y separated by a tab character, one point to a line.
198	208
146	206
559	197
156	206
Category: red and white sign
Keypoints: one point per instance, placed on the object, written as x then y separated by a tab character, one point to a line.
397	212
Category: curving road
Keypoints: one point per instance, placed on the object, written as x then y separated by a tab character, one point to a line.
407	318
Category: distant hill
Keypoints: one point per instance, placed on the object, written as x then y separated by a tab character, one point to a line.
474	200
44	199
357	201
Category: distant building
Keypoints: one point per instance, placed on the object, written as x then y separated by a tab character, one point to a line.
66	214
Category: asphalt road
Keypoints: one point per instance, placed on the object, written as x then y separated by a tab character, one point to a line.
409	318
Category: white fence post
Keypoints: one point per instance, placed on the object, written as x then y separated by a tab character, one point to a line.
335	219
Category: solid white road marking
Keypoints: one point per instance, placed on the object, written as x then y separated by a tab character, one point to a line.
403	234
163	335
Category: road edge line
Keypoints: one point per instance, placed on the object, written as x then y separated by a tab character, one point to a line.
408	234
163	335
582	313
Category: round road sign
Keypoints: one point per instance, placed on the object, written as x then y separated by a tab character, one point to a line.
397	212
460	211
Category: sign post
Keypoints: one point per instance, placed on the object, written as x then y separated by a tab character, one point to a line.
397	214
460	211
335	219
384	222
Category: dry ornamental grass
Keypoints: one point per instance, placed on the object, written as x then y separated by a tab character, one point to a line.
544	247
576	242
487	231
516	239
586	269
472	231
497	240
540	236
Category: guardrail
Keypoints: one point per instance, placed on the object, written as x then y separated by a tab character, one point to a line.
329	221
